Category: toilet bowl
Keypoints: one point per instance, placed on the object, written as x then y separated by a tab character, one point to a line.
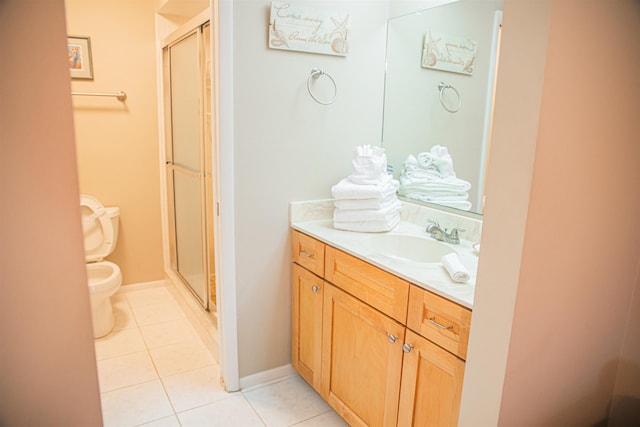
100	227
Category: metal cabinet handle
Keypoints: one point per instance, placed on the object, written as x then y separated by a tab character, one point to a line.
432	320
407	347
306	254
315	288
392	338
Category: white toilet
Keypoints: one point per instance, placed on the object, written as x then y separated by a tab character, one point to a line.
100	226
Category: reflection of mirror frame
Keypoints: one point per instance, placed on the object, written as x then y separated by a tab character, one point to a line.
412	112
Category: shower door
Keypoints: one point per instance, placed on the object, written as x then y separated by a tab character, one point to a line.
187	133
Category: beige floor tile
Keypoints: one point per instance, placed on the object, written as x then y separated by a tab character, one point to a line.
231	412
165	333
286	402
171	421
157	313
122	312
150	296
125	371
181	357
328	419
119	343
135	405
195	388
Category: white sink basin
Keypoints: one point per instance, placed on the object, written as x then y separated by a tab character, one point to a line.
407	247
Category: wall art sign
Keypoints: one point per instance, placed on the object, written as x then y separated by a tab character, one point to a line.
449	53
307	29
79	57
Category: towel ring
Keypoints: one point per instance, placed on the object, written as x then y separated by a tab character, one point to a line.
316	73
442	87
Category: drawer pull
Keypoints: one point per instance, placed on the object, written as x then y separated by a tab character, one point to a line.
305	254
407	347
392	338
315	288
432	320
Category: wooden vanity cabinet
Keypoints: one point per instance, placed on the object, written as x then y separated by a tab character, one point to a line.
379	350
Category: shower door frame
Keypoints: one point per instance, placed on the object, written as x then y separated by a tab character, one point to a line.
204	173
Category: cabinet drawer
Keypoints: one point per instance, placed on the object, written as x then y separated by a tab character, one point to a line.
307	252
376	287
439	320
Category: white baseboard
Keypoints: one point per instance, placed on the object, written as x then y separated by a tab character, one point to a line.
142	285
265	377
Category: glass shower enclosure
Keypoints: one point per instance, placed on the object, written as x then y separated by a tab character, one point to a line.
187	94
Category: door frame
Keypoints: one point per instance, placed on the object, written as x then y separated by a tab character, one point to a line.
220	16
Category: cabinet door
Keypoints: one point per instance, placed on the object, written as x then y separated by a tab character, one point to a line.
361	360
306	324
431	385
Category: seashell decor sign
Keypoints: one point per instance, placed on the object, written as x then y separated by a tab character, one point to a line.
306	29
449	53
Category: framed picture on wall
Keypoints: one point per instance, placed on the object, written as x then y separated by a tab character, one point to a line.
79	57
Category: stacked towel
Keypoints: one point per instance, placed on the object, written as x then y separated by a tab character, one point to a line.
431	178
366	200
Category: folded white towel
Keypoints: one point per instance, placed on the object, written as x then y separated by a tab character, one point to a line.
464	205
368	226
346	189
373	203
343	215
443	185
458	272
380	179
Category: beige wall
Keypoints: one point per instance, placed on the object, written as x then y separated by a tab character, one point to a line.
117	143
47	363
560	288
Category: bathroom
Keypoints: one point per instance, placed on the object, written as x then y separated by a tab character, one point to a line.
518	222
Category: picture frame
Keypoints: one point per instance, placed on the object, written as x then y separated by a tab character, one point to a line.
79	57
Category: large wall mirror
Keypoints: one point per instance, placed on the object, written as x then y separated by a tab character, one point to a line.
439	86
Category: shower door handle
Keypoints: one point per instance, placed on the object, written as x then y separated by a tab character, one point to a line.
183	170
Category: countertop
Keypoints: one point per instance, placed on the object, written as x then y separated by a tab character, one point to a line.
311	218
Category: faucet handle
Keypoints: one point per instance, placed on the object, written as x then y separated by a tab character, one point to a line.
453	235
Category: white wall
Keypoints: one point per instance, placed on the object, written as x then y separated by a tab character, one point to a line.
287	147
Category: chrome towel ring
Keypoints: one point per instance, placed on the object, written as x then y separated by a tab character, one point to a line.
442	87
315	74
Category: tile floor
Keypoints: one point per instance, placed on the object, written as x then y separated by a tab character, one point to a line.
155	371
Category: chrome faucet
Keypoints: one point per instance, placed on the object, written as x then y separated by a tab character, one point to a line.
443	234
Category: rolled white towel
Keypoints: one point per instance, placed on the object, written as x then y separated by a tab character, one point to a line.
458	272
439	157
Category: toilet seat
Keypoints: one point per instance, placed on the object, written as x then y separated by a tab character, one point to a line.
98	229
